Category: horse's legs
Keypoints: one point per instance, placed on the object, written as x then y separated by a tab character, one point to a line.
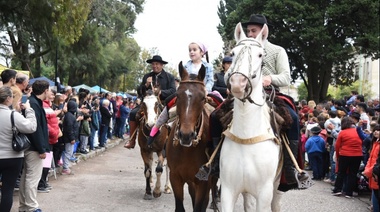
202	196
177	185
167	189
159	170
214	193
276	207
264	199
191	187
148	160
249	204
228	197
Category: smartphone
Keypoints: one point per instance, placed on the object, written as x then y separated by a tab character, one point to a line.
24	98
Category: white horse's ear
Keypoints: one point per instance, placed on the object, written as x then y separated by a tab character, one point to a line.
239	33
263	35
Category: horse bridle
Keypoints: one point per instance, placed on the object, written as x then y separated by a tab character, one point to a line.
198	126
235	66
144	118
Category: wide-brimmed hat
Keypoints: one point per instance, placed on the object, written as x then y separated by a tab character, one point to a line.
316	130
156	58
256	19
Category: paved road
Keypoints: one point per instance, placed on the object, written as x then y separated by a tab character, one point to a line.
113	181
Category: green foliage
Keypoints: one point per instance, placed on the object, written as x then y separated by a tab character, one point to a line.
340	92
320	38
302	92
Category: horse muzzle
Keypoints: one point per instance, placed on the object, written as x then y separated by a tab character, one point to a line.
238	84
186	139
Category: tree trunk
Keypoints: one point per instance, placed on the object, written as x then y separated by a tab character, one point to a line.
37	62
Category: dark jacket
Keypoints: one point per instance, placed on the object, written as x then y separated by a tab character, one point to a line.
70	124
106	116
40	138
219	84
165	81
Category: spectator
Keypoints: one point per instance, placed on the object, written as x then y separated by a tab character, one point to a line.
332	133
374	155
22	81
8	76
84	133
352	98
124	113
95	123
70	134
31	173
349	154
105	123
11	161
315	146
362	110
54	132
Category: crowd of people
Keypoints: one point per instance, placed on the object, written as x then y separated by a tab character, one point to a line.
336	137
58	125
341	141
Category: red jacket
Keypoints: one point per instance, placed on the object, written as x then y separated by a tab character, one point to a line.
371	162
348	143
52	122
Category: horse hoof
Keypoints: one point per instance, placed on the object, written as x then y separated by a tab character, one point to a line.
156	194
213	206
148	197
168	190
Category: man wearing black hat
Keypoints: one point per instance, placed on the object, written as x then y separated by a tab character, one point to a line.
276	72
158	81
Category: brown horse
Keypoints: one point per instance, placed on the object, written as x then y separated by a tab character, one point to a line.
187	143
149	110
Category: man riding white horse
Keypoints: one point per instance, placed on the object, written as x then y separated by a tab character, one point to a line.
276	73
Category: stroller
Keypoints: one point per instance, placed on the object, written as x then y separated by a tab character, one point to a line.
362	181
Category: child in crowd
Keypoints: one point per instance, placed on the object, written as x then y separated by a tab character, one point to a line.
84	133
315	146
303	143
196	52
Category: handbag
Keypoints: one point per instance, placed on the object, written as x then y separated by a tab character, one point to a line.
19	142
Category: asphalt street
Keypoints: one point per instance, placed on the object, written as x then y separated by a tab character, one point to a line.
112	180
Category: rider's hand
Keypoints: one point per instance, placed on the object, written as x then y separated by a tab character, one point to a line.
267	80
148	81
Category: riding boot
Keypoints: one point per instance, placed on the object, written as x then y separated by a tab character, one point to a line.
215	163
132	141
291	172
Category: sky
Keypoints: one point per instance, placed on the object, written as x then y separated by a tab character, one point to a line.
171	25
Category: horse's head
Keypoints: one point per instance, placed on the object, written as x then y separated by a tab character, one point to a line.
191	97
244	73
149	107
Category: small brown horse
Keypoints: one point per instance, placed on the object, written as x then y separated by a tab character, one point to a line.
187	143
149	111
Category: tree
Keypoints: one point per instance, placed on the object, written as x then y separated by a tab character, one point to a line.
28	25
320	38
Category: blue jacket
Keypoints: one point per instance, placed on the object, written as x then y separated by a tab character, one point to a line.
315	143
209	78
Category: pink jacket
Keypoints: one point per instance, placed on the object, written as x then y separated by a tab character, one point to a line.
52	122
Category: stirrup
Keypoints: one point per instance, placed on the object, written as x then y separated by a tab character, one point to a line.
305	182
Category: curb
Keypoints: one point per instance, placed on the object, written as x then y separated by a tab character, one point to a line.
83	157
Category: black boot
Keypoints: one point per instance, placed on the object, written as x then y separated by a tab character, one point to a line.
152	138
291	174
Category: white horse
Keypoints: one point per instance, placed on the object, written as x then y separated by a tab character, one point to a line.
250	157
